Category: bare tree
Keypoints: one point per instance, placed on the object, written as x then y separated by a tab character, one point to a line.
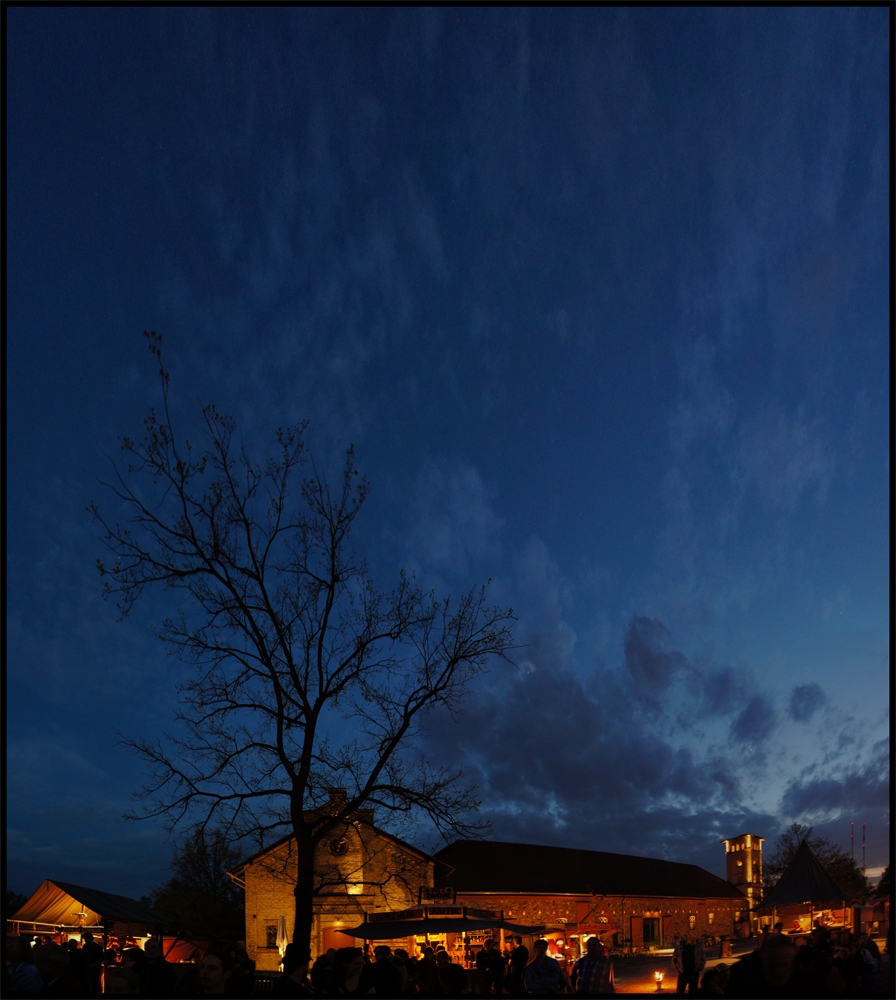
199	896
305	676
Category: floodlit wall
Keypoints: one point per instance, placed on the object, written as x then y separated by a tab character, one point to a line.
620	922
360	870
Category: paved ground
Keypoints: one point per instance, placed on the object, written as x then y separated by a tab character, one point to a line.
636	975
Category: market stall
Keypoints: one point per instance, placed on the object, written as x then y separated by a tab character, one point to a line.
805	896
461	930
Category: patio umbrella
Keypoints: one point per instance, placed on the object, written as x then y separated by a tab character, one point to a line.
386	929
282	936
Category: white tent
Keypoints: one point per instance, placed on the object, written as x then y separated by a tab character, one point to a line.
63	906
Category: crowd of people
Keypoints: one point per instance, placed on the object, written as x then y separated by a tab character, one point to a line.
82	968
784	965
781	965
348	973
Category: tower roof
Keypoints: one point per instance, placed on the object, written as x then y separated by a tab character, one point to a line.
804	880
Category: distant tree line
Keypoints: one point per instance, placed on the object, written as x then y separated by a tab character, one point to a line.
200	899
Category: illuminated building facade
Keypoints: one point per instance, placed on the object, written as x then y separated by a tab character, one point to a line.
743	864
631	903
358	870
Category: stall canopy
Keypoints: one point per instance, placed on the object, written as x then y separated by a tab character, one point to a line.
66	905
388	929
803	881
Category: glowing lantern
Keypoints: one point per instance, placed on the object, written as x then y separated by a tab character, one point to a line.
658	976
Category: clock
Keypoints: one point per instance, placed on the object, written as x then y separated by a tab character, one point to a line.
338	846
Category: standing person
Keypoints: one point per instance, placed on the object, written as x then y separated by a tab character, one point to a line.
867	965
383	972
402	961
76	963
689	961
51	961
349	977
593	972
291	985
93	962
322	969
215	976
519	959
869	943
123	982
543	975
426	974
490	964
132	958
159	975
24	979
243	971
454	980
772	972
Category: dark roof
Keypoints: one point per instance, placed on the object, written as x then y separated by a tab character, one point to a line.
804	881
49	905
489	866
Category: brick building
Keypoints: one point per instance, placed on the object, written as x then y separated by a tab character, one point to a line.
631	902
743	868
359	869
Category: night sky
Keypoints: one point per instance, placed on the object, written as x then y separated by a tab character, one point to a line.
601	297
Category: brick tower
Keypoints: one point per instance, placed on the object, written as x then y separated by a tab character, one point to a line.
743	867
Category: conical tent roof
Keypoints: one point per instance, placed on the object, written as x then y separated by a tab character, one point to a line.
804	881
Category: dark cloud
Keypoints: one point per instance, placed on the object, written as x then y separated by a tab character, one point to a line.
724	691
866	786
561	758
756	722
805	701
647	656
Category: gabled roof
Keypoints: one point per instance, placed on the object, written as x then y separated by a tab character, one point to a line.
289	836
489	866
804	881
60	902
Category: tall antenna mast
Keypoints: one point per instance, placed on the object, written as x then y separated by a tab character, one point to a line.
863	850
852	840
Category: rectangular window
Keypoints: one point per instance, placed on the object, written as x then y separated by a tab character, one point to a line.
710	916
270	934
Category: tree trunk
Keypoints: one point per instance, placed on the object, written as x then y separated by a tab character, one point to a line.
304	893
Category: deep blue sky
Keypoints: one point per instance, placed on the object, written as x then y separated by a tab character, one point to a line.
602	299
